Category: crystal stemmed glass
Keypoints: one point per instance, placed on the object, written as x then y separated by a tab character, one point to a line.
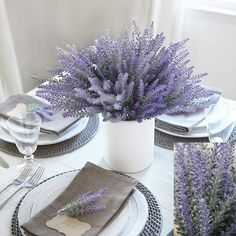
25	132
215	132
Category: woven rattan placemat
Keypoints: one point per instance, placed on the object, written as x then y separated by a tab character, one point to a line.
167	141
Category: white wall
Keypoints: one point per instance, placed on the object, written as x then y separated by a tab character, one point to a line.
38	27
213	47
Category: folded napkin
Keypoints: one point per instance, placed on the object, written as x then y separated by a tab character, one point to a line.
183	122
17	104
90	178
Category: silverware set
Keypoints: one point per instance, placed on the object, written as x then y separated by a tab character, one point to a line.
20	179
27	183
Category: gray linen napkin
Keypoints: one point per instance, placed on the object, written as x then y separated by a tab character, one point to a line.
90	178
171	127
56	125
184	122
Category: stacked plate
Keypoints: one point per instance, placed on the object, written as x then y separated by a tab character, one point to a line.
219	116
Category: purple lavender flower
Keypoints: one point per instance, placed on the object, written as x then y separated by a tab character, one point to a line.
182	200
225	164
132	78
205	188
84	204
198	169
205	219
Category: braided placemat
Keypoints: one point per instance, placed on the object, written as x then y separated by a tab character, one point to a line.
59	148
152	227
167	141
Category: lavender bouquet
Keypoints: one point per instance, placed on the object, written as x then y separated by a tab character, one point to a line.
205	189
134	77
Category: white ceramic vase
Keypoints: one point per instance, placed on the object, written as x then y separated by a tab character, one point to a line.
129	145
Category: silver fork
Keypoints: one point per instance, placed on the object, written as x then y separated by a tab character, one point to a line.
32	182
20	179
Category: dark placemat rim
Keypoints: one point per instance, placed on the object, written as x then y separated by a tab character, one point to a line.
167	141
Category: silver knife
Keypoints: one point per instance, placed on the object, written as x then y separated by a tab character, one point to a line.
3	163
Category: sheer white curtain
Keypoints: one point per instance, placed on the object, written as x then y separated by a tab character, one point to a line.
31	30
168	16
10	82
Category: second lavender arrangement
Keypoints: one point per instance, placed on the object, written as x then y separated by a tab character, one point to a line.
205	189
134	77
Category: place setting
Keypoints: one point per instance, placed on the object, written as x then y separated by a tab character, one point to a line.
57	136
87	202
215	123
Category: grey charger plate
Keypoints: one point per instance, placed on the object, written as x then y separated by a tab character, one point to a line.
59	148
152	227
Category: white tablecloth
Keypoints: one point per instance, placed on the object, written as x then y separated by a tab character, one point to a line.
158	178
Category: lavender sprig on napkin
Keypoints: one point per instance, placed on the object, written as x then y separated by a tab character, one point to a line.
83	205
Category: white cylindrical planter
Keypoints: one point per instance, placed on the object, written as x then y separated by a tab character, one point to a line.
129	145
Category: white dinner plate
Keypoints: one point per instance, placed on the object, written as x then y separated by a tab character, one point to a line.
218	116
129	222
47	139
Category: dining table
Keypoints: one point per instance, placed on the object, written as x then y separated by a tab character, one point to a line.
158	178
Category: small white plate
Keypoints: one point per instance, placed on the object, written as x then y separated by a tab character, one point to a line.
48	139
218	115
130	221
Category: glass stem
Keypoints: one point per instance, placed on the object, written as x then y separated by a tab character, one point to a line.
29	157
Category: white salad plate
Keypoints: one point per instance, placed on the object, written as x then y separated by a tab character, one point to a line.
130	221
48	139
218	117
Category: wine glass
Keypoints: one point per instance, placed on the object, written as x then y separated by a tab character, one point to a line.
219	132
25	129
